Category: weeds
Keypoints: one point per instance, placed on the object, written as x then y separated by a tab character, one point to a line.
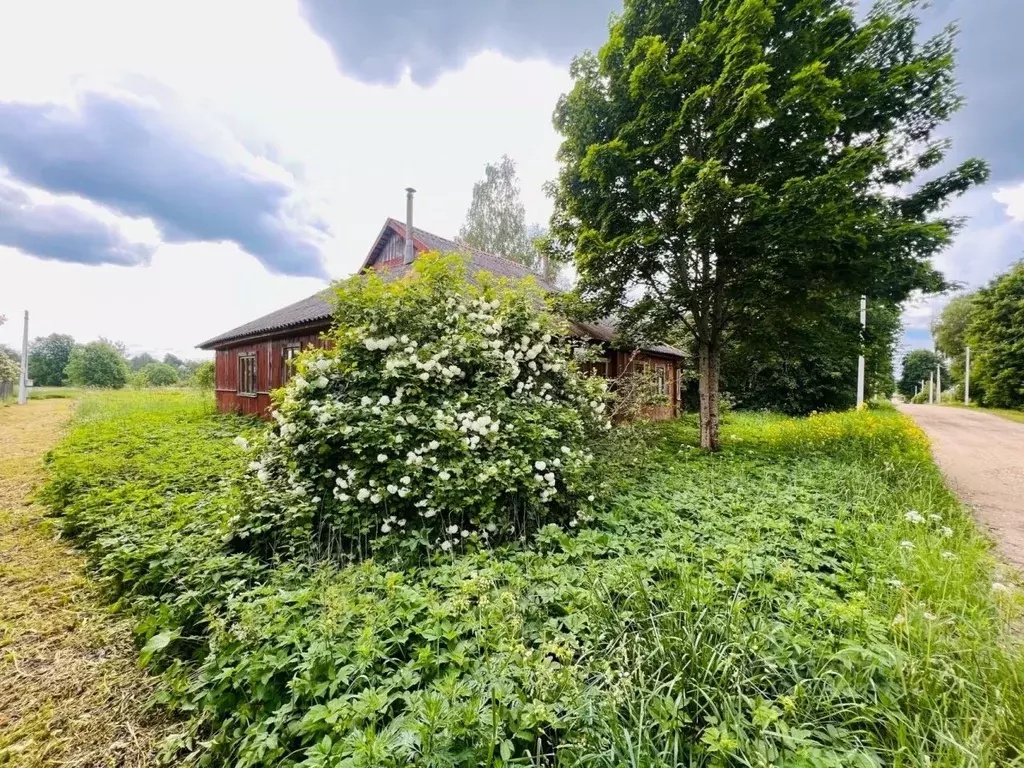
811	596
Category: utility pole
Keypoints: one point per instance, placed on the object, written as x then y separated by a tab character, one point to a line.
938	383
931	388
860	360
967	378
23	383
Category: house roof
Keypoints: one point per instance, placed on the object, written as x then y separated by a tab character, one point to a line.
316	311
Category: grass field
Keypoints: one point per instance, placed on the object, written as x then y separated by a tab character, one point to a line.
812	596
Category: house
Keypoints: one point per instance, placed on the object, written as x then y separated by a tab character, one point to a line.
255	358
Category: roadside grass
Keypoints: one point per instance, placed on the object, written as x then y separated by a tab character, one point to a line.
811	596
70	690
1004	413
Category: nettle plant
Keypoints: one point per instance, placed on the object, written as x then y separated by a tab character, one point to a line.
446	413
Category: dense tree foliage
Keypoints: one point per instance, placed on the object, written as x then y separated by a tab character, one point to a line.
204	375
158	375
950	333
138	362
811	365
446	413
918	366
97	364
996	338
48	356
732	163
10	364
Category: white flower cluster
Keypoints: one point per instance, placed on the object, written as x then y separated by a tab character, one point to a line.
438	402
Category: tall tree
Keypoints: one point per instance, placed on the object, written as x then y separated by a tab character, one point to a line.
139	362
801	366
729	161
48	356
996	336
918	366
98	364
950	333
496	219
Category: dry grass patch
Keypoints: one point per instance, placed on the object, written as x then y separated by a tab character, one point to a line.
70	691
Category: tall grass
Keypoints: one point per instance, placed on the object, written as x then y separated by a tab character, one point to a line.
811	596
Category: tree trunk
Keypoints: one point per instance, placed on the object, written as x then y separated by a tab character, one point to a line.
708	362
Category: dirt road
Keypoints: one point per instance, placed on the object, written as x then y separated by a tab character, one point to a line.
70	692
982	457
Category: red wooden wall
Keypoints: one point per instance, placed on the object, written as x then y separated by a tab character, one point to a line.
269	371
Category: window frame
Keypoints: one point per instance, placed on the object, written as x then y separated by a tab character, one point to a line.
244	363
288	354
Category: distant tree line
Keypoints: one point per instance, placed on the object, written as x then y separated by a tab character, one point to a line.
991	322
57	360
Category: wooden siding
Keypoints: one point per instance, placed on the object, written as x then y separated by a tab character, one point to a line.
393	252
624	362
269	371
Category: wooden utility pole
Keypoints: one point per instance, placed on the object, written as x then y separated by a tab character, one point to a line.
938	383
967	378
23	382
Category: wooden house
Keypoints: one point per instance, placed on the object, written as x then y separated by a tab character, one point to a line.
255	358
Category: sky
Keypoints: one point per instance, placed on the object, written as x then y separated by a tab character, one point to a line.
169	170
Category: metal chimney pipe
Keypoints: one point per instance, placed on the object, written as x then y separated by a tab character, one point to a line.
410	252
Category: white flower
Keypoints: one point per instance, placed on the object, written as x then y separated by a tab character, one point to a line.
540	465
464	533
406	480
934	517
384	400
241	442
946	531
385	528
928	615
566	450
894	583
263	476
424	376
375	498
452	529
320	382
907	544
363	494
947	556
590	497
444	474
392	489
913	516
433	445
382	457
365	401
446	545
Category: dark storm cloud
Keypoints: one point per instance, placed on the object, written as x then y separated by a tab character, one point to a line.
376	41
990	68
62	232
126	154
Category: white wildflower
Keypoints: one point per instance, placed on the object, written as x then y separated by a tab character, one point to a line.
540	465
375	498
913	516
452	529
382	457
384	400
946	531
364	494
386	528
241	442
446	545
906	544
405	480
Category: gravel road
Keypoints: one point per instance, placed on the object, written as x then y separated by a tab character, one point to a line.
982	457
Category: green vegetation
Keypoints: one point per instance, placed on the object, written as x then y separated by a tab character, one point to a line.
996	338
97	364
918	366
733	163
812	595
155	375
204	376
48	356
444	413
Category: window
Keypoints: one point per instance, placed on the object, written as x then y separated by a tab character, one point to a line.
247	374
661	376
598	367
288	355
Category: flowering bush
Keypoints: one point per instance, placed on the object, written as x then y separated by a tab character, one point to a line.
445	412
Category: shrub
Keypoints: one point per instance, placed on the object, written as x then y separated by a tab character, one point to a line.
445	413
158	375
205	375
97	364
10	367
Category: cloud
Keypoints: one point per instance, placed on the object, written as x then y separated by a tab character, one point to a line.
63	232
139	157
377	41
